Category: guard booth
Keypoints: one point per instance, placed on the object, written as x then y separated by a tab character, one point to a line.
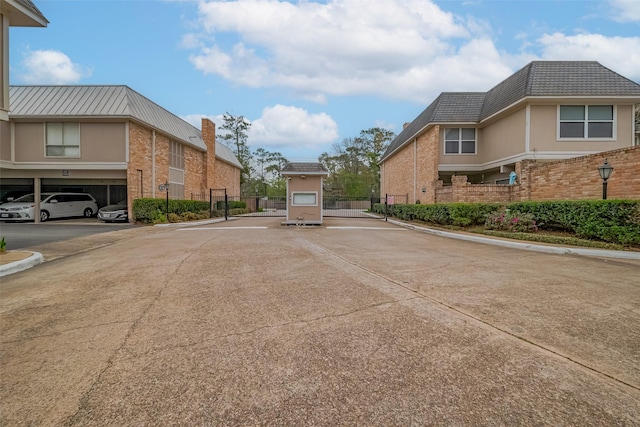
304	192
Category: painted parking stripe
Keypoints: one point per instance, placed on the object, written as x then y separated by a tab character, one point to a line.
221	228
365	228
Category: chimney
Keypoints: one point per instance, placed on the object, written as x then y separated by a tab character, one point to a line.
209	138
404	126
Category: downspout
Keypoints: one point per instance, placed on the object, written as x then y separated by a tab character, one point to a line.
153	164
415	168
527	132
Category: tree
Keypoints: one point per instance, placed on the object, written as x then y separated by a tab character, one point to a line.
353	164
267	171
235	136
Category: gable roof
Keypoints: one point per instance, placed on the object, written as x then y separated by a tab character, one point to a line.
302	168
536	79
106	102
23	13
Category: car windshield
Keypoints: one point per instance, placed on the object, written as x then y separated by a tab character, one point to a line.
30	199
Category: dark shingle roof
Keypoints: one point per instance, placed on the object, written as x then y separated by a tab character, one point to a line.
537	79
304	168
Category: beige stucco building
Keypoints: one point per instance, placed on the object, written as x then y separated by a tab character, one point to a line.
548	110
111	142
304	192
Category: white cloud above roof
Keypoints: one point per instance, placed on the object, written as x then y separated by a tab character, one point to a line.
284	127
408	50
50	67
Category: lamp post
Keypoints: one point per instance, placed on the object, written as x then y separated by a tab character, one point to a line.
605	173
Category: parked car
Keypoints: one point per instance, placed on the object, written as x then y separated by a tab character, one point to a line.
10	196
113	213
52	205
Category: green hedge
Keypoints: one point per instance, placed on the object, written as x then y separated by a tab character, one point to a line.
154	210
616	221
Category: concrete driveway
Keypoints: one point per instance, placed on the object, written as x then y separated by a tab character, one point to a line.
357	322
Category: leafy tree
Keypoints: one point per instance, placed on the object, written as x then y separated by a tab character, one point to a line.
353	163
235	135
267	172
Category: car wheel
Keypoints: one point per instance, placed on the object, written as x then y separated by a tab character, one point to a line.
88	212
44	215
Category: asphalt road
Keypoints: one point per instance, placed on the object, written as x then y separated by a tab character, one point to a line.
26	235
358	322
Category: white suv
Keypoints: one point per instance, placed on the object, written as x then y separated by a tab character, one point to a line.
52	205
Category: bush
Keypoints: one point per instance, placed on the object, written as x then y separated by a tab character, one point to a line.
615	221
153	211
504	220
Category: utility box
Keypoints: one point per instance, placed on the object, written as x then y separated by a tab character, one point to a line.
304	192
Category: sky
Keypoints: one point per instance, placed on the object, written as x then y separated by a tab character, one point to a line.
307	74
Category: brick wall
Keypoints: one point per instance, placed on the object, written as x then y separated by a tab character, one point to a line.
139	176
400	174
463	192
227	176
570	179
578	178
209	138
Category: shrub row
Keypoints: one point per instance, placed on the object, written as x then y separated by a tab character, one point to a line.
154	210
615	221
458	214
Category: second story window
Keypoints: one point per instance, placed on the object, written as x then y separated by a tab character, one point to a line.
63	140
176	155
460	141
586	121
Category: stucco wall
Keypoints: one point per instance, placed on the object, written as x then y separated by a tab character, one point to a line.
5	141
544	129
311	184
99	143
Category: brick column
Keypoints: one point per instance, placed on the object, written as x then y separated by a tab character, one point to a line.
209	138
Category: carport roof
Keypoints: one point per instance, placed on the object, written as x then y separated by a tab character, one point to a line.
85	102
304	169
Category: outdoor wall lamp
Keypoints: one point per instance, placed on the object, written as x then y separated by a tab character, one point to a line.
605	173
303	176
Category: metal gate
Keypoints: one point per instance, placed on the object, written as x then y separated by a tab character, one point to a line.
223	204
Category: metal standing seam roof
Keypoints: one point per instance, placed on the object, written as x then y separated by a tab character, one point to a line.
536	79
299	168
106	102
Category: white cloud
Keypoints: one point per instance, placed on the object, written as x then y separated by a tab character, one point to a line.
51	67
399	49
621	54
343	48
625	10
291	127
282	127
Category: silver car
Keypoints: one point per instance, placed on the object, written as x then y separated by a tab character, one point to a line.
116	212
52	205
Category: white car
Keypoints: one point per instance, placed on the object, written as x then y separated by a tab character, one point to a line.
52	205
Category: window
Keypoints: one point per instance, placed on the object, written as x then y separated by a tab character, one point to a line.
63	140
460	141
304	199
176	155
586	121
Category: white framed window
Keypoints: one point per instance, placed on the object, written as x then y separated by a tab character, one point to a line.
62	140
304	198
586	121
460	141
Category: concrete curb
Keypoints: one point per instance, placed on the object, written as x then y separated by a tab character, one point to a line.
603	253
16	266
